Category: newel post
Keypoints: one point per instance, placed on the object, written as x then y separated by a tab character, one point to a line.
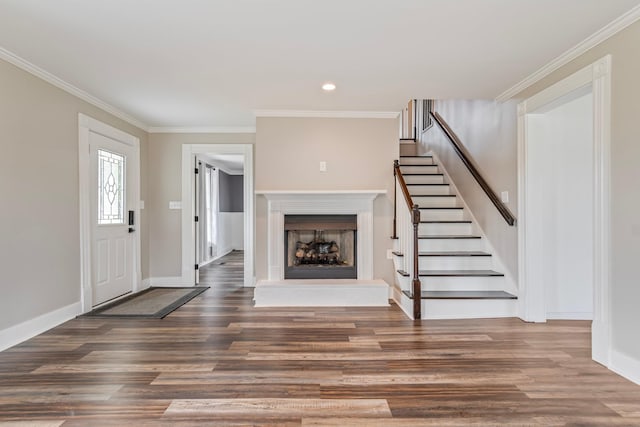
415	284
395	199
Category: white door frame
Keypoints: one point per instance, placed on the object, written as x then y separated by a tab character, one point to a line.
189	152
86	125
531	298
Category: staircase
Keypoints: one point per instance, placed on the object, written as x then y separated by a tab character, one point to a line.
460	277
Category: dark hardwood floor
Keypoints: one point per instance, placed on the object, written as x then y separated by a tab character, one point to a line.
219	361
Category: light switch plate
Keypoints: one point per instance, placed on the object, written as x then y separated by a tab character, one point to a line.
173	204
141	204
504	196
323	166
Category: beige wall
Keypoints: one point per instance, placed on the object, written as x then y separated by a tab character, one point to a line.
625	174
488	131
165	185
40	241
359	155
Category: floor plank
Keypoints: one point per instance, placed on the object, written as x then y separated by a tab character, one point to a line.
218	360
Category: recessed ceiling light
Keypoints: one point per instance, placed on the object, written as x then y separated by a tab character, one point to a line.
328	86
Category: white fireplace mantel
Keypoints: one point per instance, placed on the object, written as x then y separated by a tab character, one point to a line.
345	202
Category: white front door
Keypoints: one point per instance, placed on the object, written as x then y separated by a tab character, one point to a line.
112	222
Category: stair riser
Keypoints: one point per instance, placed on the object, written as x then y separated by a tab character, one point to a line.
438	245
469	309
435	202
455	263
493	283
430	190
440	229
419	169
416	161
408	148
459	309
422	179
442	214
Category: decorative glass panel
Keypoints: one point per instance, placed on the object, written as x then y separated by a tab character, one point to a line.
110	188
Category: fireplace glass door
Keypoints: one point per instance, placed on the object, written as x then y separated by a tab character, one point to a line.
320	246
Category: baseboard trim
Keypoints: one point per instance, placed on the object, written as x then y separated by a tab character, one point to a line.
167	281
28	329
625	366
578	315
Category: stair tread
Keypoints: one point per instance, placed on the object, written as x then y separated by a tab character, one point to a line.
418	157
459	273
433	195
428	185
441	207
422	174
448	253
453	273
463	295
455	253
418	166
462	221
450	236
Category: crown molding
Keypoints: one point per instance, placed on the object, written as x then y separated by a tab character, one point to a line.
203	129
27	66
328	114
593	40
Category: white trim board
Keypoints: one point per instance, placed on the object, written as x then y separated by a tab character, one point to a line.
30	328
626	366
189	152
86	125
203	129
329	114
531	299
595	39
30	68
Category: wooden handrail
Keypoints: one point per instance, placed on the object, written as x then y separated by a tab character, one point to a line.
465	157
403	186
414	209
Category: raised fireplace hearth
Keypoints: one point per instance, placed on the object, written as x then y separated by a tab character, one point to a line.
320	246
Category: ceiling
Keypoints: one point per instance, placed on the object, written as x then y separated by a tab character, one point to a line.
230	163
213	63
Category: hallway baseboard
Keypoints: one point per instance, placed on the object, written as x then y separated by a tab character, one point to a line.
30	328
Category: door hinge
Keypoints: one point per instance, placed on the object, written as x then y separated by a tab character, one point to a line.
196	171
197	267
197	218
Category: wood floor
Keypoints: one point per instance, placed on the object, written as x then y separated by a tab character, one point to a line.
219	361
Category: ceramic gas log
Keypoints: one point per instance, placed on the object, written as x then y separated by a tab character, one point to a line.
318	251
320	246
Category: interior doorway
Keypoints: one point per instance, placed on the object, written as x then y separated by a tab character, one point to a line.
564	138
225	228
560	178
219	204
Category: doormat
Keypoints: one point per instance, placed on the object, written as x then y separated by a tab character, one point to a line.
152	303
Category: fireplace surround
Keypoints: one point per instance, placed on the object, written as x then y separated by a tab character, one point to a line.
363	290
340	202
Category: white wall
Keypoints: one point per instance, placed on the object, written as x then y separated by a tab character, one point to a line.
165	185
625	199
488	131
230	232
560	153
359	154
39	191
